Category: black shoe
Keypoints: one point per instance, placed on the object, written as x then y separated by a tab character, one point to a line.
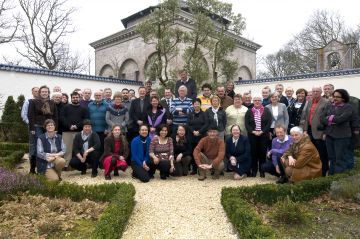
163	177
32	171
83	172
94	175
116	172
108	177
262	175
282	180
193	173
253	174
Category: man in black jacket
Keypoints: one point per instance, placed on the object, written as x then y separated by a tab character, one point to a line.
72	117
86	146
189	83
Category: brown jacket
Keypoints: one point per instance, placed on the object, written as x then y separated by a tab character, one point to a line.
308	164
226	102
109	146
213	149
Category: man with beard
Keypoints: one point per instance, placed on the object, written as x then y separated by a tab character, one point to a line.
125	98
209	154
72	117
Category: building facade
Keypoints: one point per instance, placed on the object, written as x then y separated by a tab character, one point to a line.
124	54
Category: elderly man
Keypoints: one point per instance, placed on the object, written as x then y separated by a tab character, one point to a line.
167	99
289	92
209	154
188	82
181	108
97	112
265	92
226	101
328	91
132	95
279	145
301	161
313	127
84	102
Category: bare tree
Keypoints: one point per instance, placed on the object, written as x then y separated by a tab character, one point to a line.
71	62
46	23
9	24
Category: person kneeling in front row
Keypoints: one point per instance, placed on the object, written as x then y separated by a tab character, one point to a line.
50	149
86	148
301	161
279	145
116	150
209	154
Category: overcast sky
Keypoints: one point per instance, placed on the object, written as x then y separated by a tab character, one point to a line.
269	23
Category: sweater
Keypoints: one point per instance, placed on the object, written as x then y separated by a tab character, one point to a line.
73	115
97	113
236	116
214	149
117	116
278	148
137	154
186	106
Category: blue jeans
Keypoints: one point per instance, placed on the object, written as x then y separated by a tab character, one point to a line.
337	150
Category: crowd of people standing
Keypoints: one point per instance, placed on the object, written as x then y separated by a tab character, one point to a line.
292	137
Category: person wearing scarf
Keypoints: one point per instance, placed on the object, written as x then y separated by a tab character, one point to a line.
297	109
116	150
216	116
86	148
258	120
301	161
117	113
337	119
156	115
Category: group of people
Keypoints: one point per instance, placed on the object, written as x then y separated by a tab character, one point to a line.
186	133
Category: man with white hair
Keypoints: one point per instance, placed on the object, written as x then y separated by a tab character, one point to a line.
328	91
181	108
313	127
289	92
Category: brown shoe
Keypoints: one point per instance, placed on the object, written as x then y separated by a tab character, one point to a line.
201	178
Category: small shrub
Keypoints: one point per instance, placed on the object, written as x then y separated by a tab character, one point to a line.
346	188
289	212
48	228
14	146
11	160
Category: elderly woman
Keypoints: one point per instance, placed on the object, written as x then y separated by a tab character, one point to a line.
50	150
216	116
336	118
143	168
278	111
230	89
197	127
258	120
238	152
279	145
235	115
156	115
182	152
116	150
162	152
86	148
301	161
117	113
297	108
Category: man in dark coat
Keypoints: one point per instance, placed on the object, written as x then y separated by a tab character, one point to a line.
189	83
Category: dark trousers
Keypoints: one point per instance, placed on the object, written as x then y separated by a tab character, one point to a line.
92	159
268	167
163	166
320	145
258	151
337	149
102	136
182	167
140	173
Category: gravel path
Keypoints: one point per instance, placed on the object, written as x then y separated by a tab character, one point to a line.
174	208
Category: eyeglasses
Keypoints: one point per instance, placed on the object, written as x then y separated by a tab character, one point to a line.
337	96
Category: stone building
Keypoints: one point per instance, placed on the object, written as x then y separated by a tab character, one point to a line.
335	56
125	55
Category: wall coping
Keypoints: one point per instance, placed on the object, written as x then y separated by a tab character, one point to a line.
301	76
39	71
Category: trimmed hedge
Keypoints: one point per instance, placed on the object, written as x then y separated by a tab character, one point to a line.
14	146
113	221
14	132
11	160
237	201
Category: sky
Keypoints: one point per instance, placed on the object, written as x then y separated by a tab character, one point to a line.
269	23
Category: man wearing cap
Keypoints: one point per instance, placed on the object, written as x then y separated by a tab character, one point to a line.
209	154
